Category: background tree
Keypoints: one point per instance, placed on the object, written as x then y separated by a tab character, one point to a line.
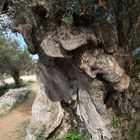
13	60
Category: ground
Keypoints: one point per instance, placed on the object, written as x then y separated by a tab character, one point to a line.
24	78
12	126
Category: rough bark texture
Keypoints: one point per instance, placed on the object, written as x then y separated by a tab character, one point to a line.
76	70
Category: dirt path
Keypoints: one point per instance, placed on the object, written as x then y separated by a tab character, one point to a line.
12	126
24	78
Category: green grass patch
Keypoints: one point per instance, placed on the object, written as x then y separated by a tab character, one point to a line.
26	84
41	136
76	135
115	122
72	135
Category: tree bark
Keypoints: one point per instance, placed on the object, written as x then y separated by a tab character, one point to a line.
2	79
16	77
76	72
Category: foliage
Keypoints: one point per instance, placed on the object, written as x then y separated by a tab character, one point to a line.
67	19
13	60
40	136
115	122
128	21
61	10
75	135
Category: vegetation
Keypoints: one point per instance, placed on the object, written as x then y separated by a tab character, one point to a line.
72	135
115	122
13	60
63	11
123	14
40	136
75	135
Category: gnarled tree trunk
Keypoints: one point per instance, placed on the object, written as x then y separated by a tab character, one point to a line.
76	73
16	76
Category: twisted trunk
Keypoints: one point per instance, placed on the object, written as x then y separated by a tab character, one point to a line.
76	74
16	77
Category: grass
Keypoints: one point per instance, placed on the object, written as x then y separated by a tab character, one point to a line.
26	84
41	136
72	135
76	135
21	131
115	122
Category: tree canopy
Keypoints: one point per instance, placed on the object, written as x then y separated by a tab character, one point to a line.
13	59
124	14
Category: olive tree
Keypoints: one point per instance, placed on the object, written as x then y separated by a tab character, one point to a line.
13	59
79	43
